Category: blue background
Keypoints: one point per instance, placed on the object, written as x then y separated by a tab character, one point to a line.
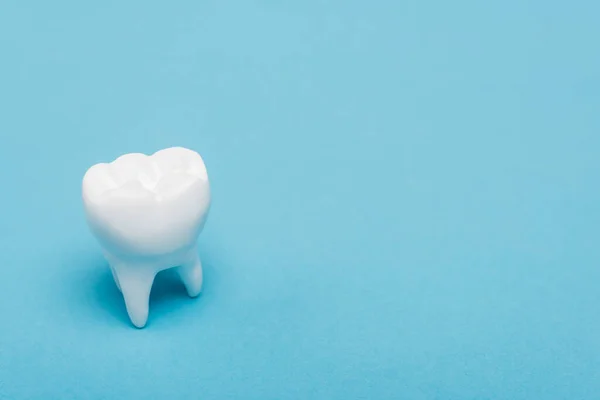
406	200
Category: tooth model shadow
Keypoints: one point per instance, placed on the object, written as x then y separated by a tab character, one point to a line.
147	213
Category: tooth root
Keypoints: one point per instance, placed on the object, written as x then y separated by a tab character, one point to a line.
135	283
116	278
191	275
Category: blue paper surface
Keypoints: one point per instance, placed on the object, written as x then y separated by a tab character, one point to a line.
406	202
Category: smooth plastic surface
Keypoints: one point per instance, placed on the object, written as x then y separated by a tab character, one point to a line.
147	212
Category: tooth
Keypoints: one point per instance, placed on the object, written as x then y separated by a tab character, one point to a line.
147	212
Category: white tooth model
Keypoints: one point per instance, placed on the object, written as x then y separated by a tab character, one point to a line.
147	213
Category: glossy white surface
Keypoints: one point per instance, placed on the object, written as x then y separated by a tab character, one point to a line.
147	213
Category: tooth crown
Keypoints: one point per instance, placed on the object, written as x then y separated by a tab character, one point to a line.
147	205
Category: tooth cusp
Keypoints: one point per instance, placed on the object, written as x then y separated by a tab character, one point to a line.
160	170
